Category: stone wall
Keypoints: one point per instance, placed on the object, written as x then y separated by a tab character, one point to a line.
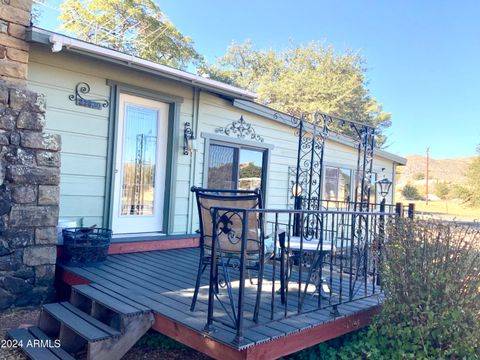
14	18
29	198
29	172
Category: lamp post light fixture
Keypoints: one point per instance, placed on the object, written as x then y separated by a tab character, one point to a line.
385	186
296	190
188	139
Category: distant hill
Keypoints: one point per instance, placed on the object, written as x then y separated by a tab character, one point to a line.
441	170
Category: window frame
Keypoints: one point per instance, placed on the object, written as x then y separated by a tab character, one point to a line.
353	180
221	140
339	167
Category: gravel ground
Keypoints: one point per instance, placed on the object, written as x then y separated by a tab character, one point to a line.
28	317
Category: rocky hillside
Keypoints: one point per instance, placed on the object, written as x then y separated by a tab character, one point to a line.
441	170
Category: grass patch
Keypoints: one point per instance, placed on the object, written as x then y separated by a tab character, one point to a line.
448	207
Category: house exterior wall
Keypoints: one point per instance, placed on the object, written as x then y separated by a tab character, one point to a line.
84	131
215	112
85	134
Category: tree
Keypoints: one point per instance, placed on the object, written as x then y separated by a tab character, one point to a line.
302	79
472	195
136	27
442	190
410	192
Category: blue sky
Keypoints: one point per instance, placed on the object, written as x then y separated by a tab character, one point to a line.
423	56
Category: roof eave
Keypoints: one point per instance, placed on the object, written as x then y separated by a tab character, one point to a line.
60	42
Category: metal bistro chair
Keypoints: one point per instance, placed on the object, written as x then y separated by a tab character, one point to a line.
231	250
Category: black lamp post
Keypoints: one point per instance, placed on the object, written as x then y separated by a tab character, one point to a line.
297	195
385	186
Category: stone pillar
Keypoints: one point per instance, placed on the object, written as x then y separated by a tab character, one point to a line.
15	17
29	172
29	198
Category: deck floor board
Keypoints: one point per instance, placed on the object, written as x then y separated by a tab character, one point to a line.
163	281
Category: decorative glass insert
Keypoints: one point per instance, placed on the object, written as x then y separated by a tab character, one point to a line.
139	161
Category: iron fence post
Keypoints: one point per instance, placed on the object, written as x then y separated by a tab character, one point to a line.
411	210
241	285
399	209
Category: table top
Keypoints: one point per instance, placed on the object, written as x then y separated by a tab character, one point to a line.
309	245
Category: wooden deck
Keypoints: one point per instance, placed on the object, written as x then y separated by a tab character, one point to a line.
164	282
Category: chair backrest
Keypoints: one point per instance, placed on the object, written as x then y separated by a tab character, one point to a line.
230	222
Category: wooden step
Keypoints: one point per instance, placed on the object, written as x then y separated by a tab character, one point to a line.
121	295
29	338
114	303
58	351
79	322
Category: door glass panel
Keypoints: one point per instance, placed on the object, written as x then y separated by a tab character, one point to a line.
139	161
221	170
250	169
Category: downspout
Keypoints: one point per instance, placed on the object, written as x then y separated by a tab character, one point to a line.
57	43
193	158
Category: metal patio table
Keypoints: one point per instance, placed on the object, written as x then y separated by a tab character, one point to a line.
313	257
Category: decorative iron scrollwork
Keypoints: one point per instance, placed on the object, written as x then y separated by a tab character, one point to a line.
225	227
82	88
240	128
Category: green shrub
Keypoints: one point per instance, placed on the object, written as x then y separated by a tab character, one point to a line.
410	192
354	345
155	340
458	191
419	176
431	278
442	190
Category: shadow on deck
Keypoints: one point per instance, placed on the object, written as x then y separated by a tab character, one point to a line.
164	282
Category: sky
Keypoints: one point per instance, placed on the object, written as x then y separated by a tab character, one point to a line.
423	57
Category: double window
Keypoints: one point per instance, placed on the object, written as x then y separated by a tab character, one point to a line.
338	184
232	166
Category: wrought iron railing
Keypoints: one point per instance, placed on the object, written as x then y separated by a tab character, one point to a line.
334	259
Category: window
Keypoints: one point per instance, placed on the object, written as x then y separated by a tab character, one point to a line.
235	167
338	184
373	186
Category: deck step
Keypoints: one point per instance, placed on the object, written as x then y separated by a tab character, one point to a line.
79	322
122	296
107	300
29	338
58	351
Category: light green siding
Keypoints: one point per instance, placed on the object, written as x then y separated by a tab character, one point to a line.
84	131
216	112
85	135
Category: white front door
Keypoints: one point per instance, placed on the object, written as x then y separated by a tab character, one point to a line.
141	156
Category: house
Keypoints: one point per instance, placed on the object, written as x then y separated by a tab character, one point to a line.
135	137
101	144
